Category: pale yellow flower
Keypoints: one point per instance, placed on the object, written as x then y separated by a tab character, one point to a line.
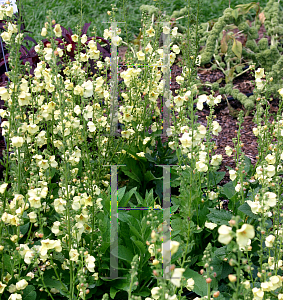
259	73
244	234
177	276
225	236
150	32
22	284
57	30
228	150
190	284
269	241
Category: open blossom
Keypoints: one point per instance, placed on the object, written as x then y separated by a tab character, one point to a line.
216	160
140	55
177	276
3	188
88	89
90	263
57	30
74	255
216	128
210	225
155	292
233	174
17	141
269	241
225	236
271	199
15	297
176	49
201	166
150	32
190	284
2	287
48	245
174	245
245	233
201	100
255	206
22	284
228	150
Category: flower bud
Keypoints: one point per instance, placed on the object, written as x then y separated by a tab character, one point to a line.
232	278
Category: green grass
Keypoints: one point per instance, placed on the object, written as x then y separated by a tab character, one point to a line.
68	13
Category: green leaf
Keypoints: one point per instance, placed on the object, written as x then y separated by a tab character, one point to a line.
124	200
29	293
24	228
220	217
149	158
246	209
124	253
8	263
229	189
148	176
144	293
248	164
237	48
221	252
200	286
136	233
113	292
245	8
52	283
216	177
140	245
132	175
235	14
174	208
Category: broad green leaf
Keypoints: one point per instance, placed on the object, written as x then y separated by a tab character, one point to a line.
132	175
174	208
235	14
148	176
216	177
248	164
29	293
149	158
8	263
140	245
123	284
246	209
52	283
221	252
245	8
121	192
24	228
229	189
124	253
237	48
136	233
139	197
220	217
200	286
124	201
144	293
113	292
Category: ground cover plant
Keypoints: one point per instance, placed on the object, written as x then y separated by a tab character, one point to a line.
56	194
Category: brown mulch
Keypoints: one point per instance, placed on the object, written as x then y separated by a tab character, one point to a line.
227	122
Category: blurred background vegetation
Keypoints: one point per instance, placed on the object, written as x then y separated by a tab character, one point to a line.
68	13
